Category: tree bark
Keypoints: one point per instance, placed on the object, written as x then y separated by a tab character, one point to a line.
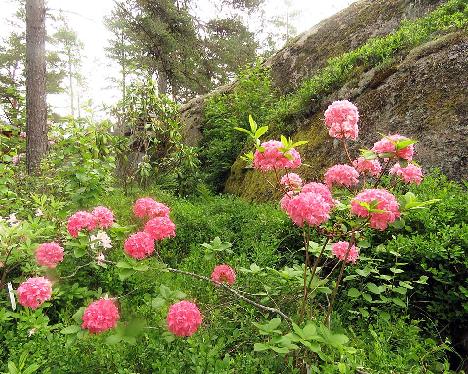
36	107
162	82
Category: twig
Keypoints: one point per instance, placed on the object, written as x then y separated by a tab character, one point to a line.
233	291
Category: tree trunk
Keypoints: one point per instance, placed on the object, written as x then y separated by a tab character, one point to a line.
70	82
36	107
162	82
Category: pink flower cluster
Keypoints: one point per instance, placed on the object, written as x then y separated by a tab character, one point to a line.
184	318
385	203
147	207
387	148
22	134
410	173
34	292
100	315
139	245
341	118
343	175
292	181
101	217
371	167
104	217
81	220
321	189
223	273
340	250
49	254
273	159
160	228
307	207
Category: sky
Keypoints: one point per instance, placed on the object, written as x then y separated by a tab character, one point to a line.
86	18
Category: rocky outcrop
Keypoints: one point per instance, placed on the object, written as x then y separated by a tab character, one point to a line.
421	94
424	96
310	51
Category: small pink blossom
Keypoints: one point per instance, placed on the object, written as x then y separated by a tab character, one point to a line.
308	207
139	245
291	181
410	173
273	159
147	207
51	142
223	273
385	203
49	254
343	175
371	167
341	118
320	189
17	158
81	220
34	292
100	315
184	318
160	228
387	147
22	135
341	248
104	217
284	202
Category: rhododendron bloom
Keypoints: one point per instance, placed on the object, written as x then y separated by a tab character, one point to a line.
102	239
184	318
147	207
34	292
343	175
81	220
104	217
308	207
49	254
139	245
100	315
292	181
410	173
371	167
387	147
285	200
273	159
320	189
223	273
381	200
341	248
341	118
160	228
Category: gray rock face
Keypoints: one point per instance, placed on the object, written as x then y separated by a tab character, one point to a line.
423	94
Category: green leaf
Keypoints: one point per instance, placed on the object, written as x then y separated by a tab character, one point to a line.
280	350
124	265
367	297
113	339
364	312
259	347
374	288
299	143
253	124
125	273
31	369
79	251
396	270
309	331
12	369
337	340
399	302
353	292
243	130
400	290
157	302
73	329
262	130
404	143
422	279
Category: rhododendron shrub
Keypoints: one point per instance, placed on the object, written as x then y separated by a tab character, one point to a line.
49	254
341	118
223	274
79	221
160	228
100	315
103	216
184	318
139	245
146	207
34	292
378	204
